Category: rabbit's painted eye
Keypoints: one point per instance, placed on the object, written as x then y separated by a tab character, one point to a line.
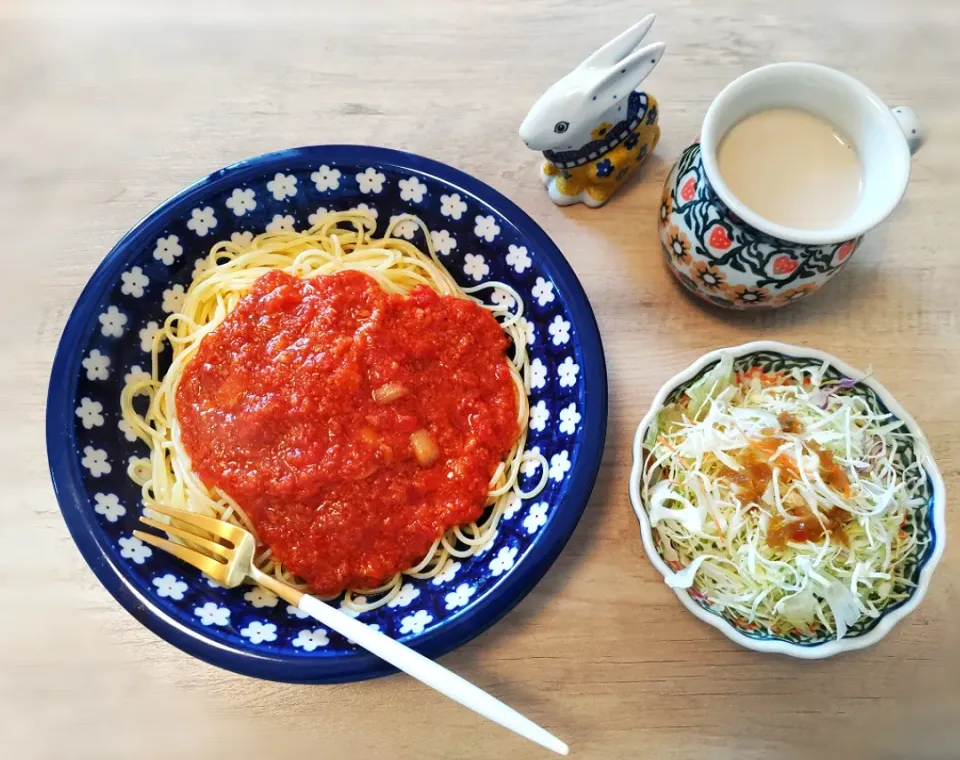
561	126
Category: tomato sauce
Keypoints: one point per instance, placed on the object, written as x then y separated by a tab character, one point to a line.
352	425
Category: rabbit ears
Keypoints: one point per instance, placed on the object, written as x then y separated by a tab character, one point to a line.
622	64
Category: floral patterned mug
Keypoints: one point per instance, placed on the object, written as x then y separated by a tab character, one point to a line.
731	256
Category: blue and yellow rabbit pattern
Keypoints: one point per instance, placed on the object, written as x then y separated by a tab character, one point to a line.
601	166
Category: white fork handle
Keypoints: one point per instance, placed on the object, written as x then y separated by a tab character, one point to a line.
433	675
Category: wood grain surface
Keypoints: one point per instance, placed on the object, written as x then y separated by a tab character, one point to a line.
107	107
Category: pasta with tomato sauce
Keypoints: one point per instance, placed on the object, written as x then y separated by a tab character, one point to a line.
343	398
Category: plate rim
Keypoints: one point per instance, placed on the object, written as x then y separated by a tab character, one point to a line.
72	499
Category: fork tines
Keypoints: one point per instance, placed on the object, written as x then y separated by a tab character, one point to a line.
207	555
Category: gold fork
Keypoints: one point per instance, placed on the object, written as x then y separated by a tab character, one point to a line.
224	552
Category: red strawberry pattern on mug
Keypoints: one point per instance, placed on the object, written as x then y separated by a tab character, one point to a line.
719	239
688	190
846	249
784	265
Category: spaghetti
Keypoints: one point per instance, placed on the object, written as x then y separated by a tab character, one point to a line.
338	243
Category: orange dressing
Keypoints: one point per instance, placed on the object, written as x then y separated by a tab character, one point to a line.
789	423
768	447
753	477
756	473
831	472
807	527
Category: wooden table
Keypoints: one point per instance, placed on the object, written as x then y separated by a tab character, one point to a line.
107	107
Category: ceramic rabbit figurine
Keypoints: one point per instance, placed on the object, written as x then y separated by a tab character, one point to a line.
594	126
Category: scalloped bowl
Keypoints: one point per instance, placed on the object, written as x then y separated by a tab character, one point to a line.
770	355
480	235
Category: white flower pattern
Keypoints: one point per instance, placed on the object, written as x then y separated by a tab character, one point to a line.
408	592
90	413
518	258
261	597
567	372
539	414
259	632
202	220
459	597
241	201
170	587
532	464
242	239
530	329
167	249
297	612
474	266
147	334
559	330
134	282
406	228
514	502
281	223
536	518
97	365
133	549
135	375
139	463
95	460
282	186
503	561
173	299
569	419
502	298
559	465
212	614
412	189
416	622
443	242
369	209
127	430
538	374
108	505
370	181
112	322
486	228
452	206
308	640
447	573
543	291
326	178
204	264
317	216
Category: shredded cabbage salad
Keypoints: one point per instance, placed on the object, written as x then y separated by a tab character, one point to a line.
780	498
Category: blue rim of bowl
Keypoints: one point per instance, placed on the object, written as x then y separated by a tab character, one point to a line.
64	468
890	615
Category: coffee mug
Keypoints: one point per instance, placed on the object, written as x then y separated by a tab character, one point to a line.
731	256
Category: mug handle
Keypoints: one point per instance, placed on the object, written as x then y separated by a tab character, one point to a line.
910	124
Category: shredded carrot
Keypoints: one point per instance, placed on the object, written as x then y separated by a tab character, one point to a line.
667	446
716	521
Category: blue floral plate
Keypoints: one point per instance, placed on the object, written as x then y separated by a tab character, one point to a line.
481	236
